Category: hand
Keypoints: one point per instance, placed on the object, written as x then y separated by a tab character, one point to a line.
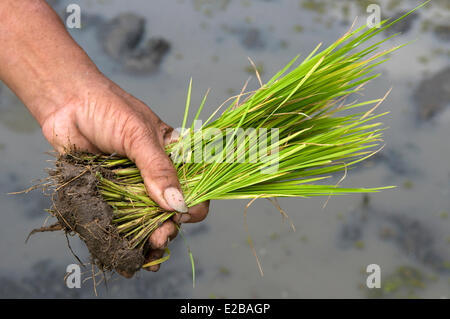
107	119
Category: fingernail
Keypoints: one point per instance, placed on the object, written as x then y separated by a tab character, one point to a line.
185	218
175	199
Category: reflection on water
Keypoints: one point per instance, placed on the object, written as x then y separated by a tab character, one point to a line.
405	231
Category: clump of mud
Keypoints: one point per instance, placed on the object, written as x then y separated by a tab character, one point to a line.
80	209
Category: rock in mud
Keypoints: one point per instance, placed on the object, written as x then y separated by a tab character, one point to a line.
417	241
123	40
402	26
122	34
250	38
433	95
413	237
350	233
147	58
395	160
89	20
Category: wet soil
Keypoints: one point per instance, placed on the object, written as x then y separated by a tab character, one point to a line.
80	209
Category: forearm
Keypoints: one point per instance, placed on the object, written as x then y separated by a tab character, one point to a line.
39	60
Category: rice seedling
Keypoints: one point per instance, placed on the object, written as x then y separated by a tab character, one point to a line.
299	126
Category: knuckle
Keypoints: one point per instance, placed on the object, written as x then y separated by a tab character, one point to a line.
155	268
158	239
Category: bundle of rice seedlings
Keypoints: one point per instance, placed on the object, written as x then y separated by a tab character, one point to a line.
299	127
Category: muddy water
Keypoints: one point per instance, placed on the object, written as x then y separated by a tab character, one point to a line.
405	231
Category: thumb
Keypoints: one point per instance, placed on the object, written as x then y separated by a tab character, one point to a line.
159	175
